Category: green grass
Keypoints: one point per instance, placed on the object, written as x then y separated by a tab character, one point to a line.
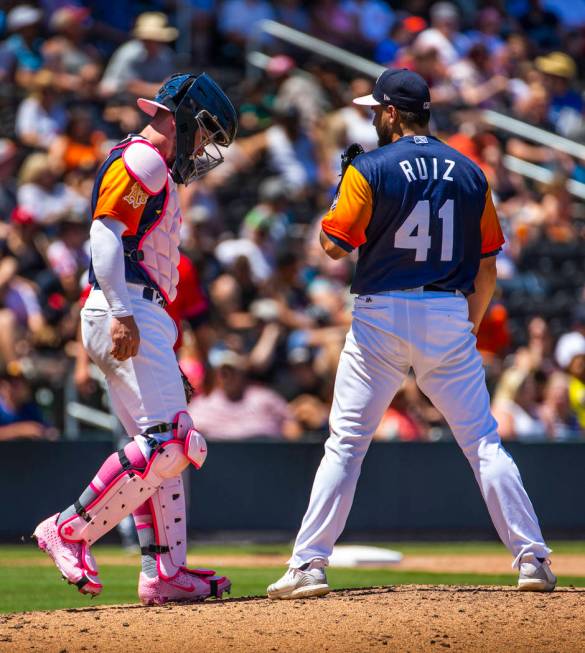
33	587
27	550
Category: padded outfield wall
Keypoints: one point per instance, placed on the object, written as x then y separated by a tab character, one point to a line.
406	489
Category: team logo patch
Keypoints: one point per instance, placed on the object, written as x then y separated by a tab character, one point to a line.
136	197
421	139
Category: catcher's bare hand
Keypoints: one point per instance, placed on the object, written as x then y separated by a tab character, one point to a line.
125	338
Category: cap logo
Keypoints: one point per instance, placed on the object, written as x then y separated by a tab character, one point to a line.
386	98
427	105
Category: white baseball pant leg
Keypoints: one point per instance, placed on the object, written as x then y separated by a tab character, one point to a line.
372	366
147	389
430	332
455	382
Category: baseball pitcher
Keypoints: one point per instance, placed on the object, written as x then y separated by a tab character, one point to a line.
423	219
134	241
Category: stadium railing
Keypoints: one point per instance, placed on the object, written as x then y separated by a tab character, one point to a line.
372	69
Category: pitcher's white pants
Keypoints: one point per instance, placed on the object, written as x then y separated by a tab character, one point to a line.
147	389
430	332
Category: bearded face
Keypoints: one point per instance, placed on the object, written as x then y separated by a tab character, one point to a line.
383	124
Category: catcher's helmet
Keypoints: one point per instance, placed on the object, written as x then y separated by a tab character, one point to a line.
197	103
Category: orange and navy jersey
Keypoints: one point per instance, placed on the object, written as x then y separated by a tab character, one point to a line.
120	194
420	213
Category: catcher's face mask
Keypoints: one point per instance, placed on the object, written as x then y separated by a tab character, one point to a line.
205	120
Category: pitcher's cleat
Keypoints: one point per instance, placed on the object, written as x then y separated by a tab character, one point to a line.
299	583
74	560
190	585
536	575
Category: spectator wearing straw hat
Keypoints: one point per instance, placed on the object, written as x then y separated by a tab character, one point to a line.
42	194
139	67
566	104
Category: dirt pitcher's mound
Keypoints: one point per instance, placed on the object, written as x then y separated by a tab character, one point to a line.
406	618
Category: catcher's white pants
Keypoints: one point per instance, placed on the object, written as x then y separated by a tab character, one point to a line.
430	332
146	389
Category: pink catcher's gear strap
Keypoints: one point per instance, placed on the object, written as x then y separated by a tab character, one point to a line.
170	527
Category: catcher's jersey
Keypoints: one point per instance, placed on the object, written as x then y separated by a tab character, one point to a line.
134	187
420	212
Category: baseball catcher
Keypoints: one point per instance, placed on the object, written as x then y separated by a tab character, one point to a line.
134	241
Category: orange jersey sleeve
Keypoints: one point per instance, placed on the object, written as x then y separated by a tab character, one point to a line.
351	211
121	197
492	237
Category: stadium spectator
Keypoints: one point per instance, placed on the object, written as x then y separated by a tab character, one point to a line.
556	413
475	79
68	255
372	19
70	54
20	415
237	21
42	195
331	22
488	31
81	145
400	36
8	166
41	116
566	104
138	67
296	89
23	22
576	371
350	124
398	423
443	35
515	407
541	25
237	409
251	226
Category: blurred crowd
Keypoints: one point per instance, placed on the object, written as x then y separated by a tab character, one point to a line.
263	311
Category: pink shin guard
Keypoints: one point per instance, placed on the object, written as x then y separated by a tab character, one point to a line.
123	483
165	512
167	517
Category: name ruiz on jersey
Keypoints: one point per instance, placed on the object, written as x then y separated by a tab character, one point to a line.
427	168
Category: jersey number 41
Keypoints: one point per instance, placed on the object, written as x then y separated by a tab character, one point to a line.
414	231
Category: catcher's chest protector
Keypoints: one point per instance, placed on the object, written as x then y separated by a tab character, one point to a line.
135	186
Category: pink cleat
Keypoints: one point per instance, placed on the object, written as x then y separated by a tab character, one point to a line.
187	585
74	560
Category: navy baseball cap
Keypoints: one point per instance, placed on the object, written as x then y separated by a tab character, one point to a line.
403	89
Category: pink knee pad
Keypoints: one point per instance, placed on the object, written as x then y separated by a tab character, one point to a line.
195	444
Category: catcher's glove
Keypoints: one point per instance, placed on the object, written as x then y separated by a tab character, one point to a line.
347	157
355	149
187	387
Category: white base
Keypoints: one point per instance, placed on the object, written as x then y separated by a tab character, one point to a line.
363	556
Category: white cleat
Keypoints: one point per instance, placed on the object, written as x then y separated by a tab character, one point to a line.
301	583
535	576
